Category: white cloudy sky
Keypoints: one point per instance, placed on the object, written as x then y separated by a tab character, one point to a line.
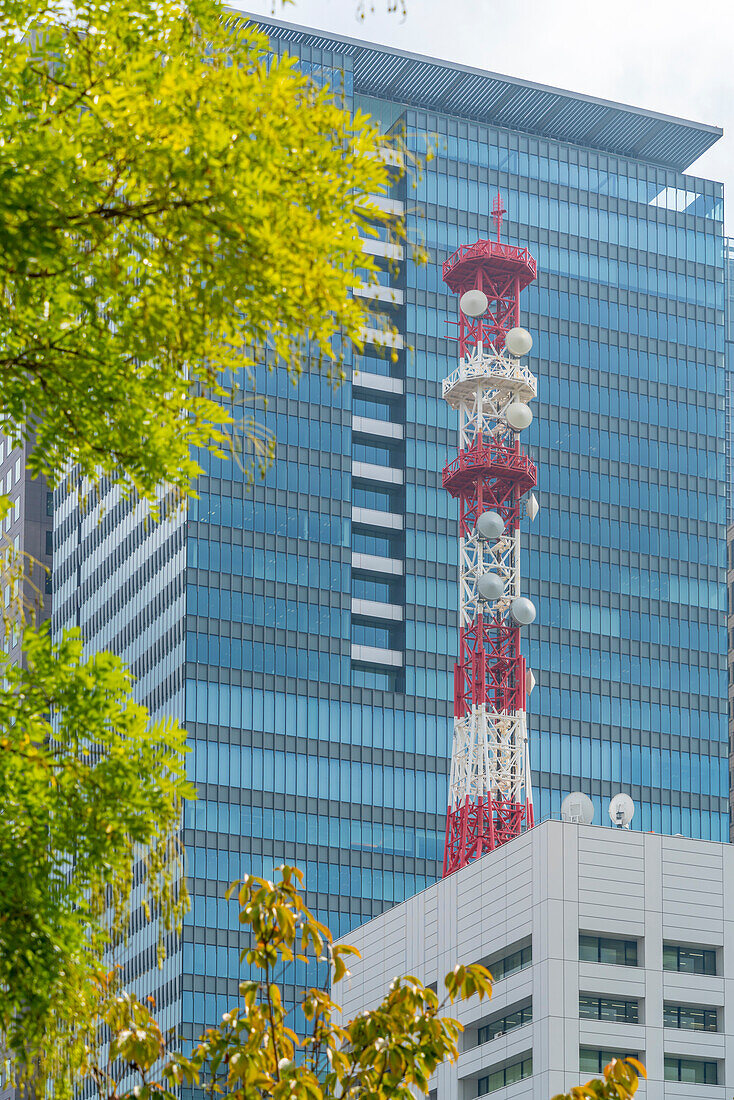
664	55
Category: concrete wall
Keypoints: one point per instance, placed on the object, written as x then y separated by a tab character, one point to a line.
546	887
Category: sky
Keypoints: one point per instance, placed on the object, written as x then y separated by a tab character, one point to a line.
660	55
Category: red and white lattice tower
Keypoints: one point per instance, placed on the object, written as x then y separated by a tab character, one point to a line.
490	797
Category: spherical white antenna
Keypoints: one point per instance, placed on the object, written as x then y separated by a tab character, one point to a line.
474	303
578	808
518	341
518	415
621	810
490	586
490	525
523	611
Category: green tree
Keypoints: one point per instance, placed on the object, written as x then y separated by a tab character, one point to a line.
173	201
76	801
175	206
258	1050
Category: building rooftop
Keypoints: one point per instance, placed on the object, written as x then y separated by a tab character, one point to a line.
563	913
490	98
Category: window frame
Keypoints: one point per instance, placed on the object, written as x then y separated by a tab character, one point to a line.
709	1013
708	958
525	1065
603	1058
627	1004
707	1064
600	941
501	1024
501	966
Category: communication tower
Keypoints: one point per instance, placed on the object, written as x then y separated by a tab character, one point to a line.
490	795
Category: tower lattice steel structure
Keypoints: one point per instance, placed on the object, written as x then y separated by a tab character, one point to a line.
490	797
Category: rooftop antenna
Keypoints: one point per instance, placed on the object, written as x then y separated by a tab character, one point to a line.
621	811
490	796
498	213
577	808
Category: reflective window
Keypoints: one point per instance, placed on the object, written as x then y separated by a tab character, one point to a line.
379	545
374	455
691	1070
308	774
374	678
380	637
592	1060
505	1075
608	1008
603	949
372	410
510	963
690	1017
373	364
689	960
377	500
377	591
508	1022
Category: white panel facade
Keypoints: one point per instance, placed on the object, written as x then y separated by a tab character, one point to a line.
627	895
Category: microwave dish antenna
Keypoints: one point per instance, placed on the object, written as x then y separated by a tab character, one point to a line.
621	811
577	808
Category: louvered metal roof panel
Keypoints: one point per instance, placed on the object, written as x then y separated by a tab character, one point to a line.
492	99
526	109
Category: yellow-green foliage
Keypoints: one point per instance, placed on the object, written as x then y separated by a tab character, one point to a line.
621	1078
174	204
78	796
173	201
256	1051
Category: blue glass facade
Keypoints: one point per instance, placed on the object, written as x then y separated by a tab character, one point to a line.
313	658
729	360
626	558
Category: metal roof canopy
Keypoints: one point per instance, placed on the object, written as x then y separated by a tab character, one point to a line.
491	99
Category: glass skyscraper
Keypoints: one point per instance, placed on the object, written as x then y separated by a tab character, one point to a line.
306	629
729	361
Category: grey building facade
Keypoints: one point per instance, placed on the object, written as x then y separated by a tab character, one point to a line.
602	942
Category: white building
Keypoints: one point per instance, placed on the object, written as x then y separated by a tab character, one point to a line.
601	942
